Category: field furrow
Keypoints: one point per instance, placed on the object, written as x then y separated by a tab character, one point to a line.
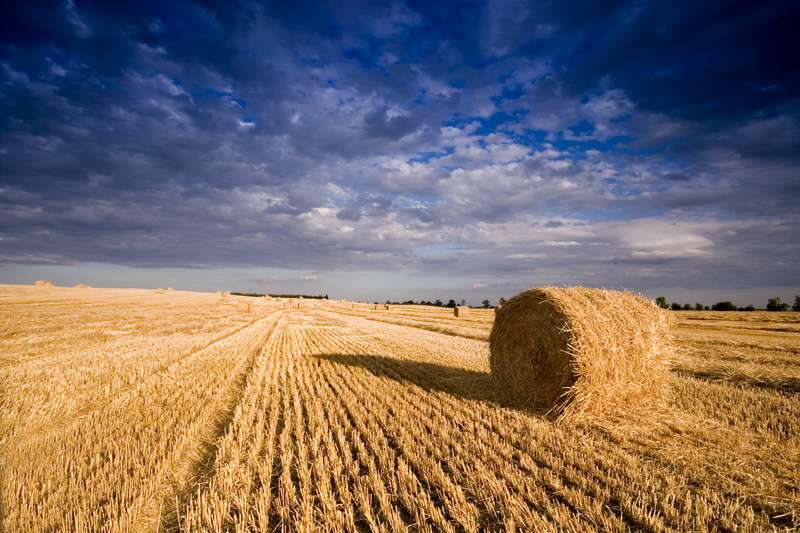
135	441
52	405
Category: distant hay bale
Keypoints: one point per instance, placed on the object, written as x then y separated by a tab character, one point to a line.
82	286
579	352
170	288
160	290
244	307
44	283
461	311
669	318
385	307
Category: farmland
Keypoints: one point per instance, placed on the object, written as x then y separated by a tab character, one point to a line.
127	409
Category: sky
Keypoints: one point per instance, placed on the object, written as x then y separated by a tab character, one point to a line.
403	151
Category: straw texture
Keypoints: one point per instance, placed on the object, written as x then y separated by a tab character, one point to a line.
579	352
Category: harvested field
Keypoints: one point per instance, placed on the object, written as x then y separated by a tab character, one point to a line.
125	409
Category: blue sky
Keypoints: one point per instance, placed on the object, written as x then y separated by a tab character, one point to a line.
408	150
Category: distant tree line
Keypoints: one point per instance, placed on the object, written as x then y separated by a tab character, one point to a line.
485	304
773	304
305	296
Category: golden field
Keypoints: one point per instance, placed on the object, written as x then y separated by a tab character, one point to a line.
137	410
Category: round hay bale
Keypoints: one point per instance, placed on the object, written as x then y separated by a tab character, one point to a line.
579	352
44	283
669	318
82	286
461	311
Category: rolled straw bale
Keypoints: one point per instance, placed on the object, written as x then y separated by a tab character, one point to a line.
44	283
669	318
579	352
461	310
244	307
82	286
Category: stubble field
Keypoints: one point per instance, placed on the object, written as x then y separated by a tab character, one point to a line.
127	410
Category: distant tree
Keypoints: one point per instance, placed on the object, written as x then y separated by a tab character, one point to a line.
698	306
687	307
501	302
326	297
451	303
486	304
706	308
749	308
438	302
675	306
661	301
775	304
796	306
723	306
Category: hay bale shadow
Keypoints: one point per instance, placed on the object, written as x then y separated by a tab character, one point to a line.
432	377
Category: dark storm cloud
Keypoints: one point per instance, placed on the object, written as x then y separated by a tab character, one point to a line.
590	141
720	60
379	123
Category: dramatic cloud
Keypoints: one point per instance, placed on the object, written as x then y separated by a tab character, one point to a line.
505	144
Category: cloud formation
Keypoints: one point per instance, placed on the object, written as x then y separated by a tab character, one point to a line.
507	143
